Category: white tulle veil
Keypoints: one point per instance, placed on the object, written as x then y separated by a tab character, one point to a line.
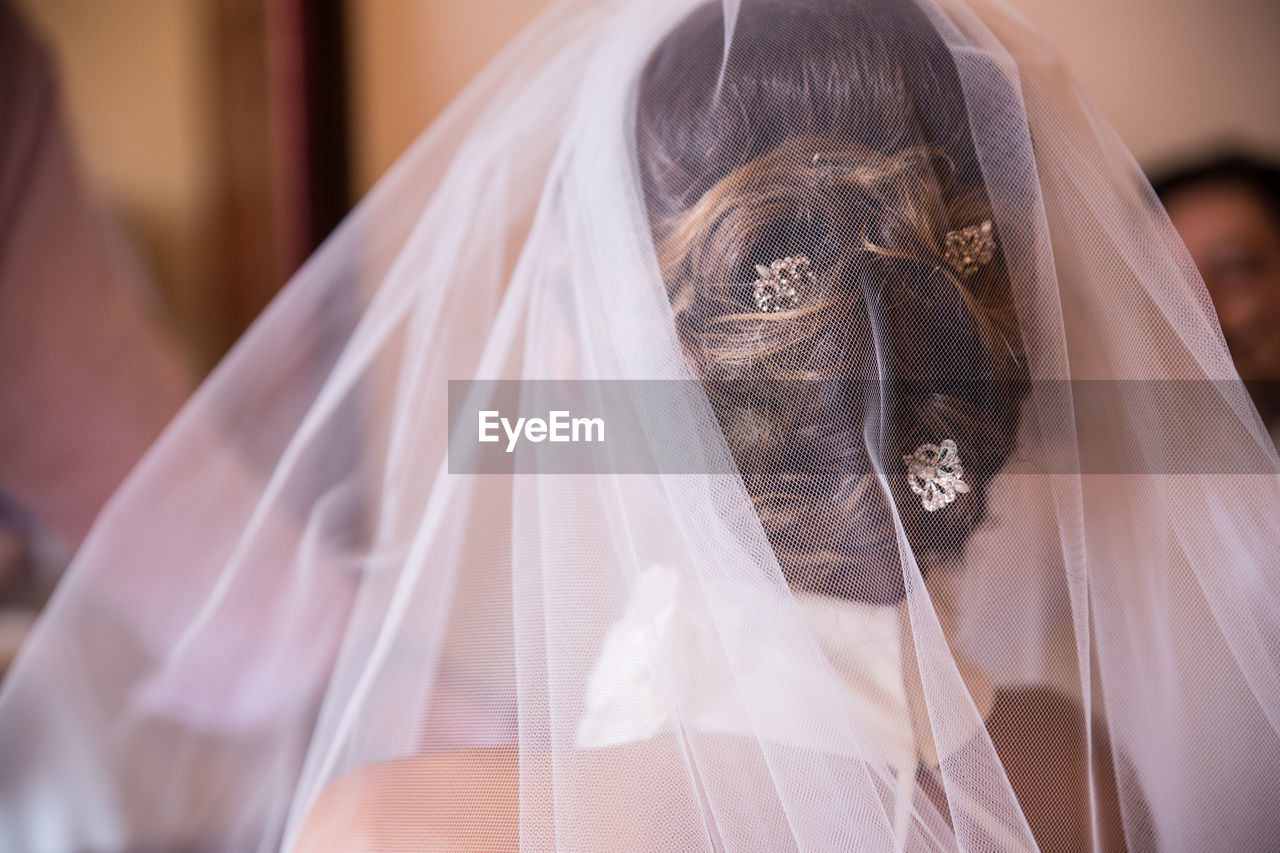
303	582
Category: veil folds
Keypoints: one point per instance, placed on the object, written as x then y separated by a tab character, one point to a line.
299	583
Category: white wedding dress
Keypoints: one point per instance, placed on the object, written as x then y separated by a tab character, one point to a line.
661	645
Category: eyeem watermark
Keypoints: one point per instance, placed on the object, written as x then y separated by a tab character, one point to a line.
583	427
691	427
557	427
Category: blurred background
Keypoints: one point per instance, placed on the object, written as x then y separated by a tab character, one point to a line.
165	166
228	136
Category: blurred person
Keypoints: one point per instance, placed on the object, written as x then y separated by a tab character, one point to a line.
867	240
1227	211
87	376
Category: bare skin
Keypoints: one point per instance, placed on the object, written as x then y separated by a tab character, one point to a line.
469	799
465	800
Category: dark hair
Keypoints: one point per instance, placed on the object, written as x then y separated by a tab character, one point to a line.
1257	176
888	334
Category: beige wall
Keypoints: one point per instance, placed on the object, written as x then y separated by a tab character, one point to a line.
409	58
136	87
1171	75
168	103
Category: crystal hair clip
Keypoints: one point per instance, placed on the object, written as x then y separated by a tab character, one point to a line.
968	249
779	284
934	473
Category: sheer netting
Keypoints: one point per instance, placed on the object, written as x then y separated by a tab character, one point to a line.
956	531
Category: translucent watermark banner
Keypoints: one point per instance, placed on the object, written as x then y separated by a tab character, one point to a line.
583	427
689	427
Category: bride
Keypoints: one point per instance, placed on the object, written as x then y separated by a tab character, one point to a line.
933	514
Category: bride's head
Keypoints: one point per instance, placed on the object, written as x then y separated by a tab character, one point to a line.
837	132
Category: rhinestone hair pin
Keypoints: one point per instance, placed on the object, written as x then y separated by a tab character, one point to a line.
969	249
778	287
934	473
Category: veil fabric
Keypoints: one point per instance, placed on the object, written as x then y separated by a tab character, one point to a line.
298	588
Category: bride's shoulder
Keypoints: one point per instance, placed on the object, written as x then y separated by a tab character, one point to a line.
470	799
458	800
